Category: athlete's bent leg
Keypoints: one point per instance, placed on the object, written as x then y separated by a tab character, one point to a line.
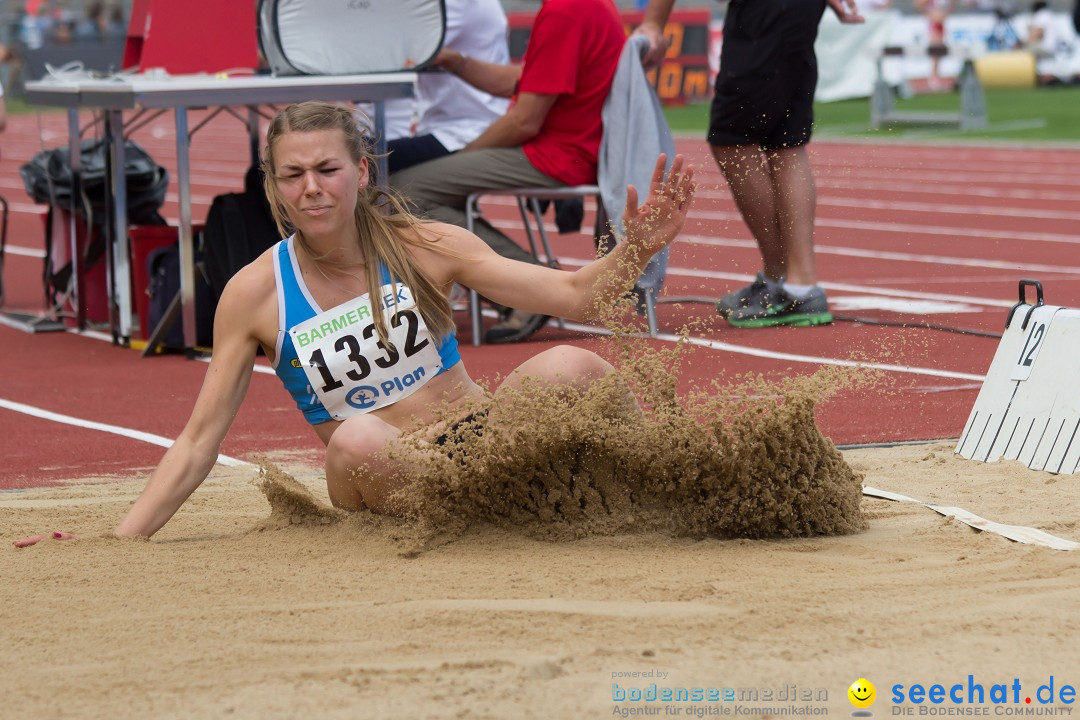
568	366
359	471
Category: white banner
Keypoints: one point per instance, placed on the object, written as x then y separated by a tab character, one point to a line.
847	54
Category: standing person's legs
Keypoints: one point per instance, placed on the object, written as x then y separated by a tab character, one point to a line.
775	194
748	174
760	122
795	198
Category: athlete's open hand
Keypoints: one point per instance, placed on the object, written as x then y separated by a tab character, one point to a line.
653	225
35	539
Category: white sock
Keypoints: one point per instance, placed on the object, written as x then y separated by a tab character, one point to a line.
798	291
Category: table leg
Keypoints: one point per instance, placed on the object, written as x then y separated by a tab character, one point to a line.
253	135
380	143
187	242
77	277
120	283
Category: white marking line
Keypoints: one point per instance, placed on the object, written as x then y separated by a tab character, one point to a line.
1017	533
988	209
838	250
860	289
907	228
992	210
24	251
937	190
947	388
897	256
114	429
773	355
257	367
912	175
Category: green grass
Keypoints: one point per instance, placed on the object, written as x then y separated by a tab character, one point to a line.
1040	114
18	106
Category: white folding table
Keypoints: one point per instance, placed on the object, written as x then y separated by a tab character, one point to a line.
182	93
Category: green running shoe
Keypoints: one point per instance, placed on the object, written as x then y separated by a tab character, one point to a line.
779	307
745	297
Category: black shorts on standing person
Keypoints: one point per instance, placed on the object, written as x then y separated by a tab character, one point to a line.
768	73
761	119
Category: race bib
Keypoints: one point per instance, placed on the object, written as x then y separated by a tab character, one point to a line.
349	369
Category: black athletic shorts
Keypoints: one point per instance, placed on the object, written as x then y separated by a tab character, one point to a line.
764	91
471	423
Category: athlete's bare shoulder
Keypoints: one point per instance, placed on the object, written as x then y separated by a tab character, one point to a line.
443	234
249	300
254	280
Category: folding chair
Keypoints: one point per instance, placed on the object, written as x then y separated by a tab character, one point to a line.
528	200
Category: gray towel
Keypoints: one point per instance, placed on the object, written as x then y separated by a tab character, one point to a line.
635	132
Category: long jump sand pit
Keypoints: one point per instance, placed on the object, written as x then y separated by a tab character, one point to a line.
236	611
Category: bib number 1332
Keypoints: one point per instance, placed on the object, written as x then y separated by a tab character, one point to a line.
350	369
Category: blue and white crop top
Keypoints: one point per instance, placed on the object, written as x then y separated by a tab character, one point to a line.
332	361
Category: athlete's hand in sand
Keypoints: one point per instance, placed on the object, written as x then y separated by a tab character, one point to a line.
35	539
653	225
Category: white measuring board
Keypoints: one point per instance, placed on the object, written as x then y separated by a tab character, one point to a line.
1029	406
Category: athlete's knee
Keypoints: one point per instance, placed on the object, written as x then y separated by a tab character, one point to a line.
359	440
577	366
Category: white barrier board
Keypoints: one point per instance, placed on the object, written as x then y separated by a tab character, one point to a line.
1029	406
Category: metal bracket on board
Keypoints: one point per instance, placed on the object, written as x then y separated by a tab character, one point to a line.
1023	301
1028	408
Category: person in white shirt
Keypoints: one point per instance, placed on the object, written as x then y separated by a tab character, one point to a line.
1042	35
451	113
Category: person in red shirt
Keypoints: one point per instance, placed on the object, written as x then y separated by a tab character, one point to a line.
549	137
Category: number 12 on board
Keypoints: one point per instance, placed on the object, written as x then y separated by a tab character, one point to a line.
1035	337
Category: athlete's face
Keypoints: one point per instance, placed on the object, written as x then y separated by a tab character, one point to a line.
318	181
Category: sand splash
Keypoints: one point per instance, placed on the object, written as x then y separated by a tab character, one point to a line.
743	459
290	502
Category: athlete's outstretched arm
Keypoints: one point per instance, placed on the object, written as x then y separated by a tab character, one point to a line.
585	294
187	463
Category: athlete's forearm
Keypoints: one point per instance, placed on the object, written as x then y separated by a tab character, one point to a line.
180	472
604	282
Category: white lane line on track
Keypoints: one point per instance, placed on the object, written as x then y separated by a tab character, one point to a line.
257	367
907	228
103	427
24	251
911	206
846	287
773	355
936	189
897	256
909	175
1017	533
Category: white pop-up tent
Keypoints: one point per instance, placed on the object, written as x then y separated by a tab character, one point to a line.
349	37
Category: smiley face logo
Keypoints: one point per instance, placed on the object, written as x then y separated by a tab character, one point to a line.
862	693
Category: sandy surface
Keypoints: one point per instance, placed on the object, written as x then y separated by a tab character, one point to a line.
232	612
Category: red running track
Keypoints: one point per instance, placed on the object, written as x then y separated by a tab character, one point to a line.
909	235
